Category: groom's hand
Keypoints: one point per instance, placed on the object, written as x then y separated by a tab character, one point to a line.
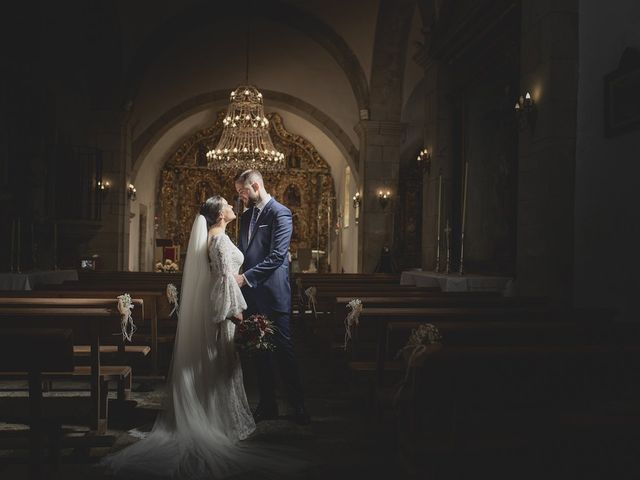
240	280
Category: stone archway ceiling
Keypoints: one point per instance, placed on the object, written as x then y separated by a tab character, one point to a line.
209	13
143	143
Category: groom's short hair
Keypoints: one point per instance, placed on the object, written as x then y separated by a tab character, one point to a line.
250	176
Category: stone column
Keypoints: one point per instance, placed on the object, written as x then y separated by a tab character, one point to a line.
546	162
380	143
438	140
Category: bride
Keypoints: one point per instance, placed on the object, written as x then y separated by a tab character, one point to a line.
198	432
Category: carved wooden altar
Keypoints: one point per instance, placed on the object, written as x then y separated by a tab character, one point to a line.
306	187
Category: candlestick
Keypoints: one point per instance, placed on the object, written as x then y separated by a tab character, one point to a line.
55	246
18	248
464	216
33	249
438	223
447	232
13	244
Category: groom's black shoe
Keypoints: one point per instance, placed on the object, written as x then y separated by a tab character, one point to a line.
301	416
265	413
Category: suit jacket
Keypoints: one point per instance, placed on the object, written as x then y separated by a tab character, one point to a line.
266	259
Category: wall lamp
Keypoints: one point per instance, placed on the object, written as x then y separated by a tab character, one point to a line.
424	160
104	186
131	192
525	109
383	198
356	205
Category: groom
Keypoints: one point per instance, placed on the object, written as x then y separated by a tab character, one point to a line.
265	234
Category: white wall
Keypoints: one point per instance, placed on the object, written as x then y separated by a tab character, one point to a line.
607	222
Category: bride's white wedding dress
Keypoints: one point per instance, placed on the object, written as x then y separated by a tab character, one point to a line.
196	435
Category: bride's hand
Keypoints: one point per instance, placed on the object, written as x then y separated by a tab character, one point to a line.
237	318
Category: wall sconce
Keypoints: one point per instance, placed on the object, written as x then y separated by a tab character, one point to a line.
131	192
104	186
424	160
356	205
383	198
525	110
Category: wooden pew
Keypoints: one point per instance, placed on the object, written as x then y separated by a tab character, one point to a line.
157	310
498	404
30	299
35	351
89	324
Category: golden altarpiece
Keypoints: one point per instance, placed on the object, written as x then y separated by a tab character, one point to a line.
305	186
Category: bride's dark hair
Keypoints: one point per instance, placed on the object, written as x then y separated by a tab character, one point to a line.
211	209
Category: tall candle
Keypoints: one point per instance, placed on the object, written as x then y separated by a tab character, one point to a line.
438	223
464	216
18	241
13	244
33	248
55	246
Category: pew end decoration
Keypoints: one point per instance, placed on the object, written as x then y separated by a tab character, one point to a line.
423	341
311	293
172	297
352	319
125	305
252	334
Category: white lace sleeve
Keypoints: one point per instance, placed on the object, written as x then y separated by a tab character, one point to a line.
226	298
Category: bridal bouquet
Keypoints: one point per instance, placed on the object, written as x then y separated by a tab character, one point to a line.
252	333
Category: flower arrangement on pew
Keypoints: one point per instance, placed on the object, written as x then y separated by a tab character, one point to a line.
424	340
352	320
252	334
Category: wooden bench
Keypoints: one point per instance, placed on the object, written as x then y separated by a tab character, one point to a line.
89	324
499	403
148	320
35	351
120	348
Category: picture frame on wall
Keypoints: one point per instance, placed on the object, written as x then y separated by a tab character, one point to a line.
622	95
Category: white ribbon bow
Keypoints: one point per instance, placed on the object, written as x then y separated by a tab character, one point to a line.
124	307
352	319
172	296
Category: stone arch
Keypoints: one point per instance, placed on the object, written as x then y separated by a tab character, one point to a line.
156	130
211	13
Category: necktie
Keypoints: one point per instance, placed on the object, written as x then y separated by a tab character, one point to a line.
254	219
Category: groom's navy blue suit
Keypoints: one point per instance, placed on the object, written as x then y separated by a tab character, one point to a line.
266	269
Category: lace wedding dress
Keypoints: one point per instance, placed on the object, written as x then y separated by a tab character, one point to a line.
197	434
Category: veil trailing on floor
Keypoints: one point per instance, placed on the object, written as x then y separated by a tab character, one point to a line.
188	439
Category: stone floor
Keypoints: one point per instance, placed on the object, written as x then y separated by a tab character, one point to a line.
343	441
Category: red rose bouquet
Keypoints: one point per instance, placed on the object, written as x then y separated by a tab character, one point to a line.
252	333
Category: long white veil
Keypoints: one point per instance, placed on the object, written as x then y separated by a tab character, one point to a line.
188	439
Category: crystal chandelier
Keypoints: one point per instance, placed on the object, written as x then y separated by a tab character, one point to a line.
245	142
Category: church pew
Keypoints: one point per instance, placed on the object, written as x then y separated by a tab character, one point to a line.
157	310
497	403
90	324
37	351
33	299
377	322
435	299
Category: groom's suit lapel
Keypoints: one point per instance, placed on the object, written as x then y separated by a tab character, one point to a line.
263	216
